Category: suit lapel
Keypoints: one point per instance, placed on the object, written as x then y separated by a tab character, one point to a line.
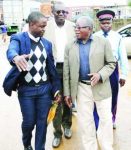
52	31
27	43
68	32
92	48
76	51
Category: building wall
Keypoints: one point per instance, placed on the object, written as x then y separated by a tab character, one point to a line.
1	10
75	12
12	11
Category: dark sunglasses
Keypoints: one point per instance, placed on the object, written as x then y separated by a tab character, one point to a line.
61	11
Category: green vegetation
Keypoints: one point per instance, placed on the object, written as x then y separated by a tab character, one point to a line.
129	3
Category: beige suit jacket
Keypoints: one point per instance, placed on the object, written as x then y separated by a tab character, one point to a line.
50	33
101	60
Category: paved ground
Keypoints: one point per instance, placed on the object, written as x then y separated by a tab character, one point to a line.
10	118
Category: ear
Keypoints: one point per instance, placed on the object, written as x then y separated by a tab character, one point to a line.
90	28
53	12
31	24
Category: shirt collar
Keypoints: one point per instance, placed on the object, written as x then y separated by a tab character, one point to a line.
90	39
33	38
107	32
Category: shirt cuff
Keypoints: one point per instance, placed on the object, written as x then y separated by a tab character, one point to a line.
56	93
13	59
100	78
123	77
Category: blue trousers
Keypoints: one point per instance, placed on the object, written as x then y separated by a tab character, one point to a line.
114	81
35	103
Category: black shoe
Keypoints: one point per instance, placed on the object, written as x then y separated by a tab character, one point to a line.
56	142
28	148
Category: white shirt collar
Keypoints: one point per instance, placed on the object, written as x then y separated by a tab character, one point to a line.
33	38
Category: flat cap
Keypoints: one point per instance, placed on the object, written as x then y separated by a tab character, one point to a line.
105	15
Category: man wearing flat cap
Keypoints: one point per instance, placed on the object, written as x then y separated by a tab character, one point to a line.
106	18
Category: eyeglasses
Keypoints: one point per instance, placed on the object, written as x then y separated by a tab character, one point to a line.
61	11
77	27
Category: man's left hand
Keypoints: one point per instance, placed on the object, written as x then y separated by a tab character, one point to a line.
95	78
122	82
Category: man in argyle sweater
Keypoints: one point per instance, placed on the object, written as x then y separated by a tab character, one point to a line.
38	82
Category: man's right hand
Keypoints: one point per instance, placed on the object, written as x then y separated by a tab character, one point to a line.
68	101
58	98
21	62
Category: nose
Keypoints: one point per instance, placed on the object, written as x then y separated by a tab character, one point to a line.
77	29
61	13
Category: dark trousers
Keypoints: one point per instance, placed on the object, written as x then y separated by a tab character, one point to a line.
114	81
63	115
35	103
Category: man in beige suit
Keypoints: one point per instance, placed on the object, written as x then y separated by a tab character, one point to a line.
88	63
60	32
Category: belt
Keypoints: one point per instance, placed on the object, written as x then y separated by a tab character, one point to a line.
87	82
59	65
34	85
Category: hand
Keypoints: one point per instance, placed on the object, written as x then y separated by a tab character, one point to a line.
4	40
21	62
68	101
122	82
95	78
58	98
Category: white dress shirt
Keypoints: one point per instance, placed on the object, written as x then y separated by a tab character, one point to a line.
61	40
119	50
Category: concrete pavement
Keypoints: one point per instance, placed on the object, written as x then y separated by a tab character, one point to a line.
10	118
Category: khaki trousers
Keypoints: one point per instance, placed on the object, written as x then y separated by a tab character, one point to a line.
86	124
